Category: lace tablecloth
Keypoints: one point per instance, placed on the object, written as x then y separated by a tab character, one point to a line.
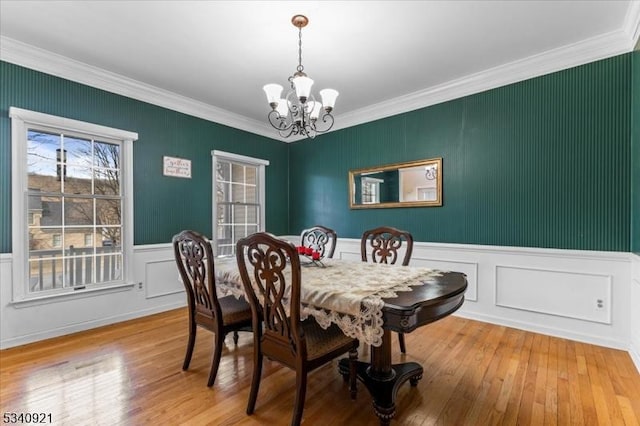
348	294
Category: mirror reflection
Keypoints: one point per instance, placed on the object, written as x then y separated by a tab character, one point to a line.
410	184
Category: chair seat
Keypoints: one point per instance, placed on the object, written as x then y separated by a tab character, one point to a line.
234	310
321	341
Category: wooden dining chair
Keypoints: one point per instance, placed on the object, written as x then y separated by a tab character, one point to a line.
270	270
321	239
221	315
385	245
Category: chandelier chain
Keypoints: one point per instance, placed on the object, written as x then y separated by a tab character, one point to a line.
300	67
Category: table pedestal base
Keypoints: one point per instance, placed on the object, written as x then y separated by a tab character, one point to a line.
383	388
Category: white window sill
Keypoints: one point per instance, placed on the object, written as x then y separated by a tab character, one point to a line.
77	294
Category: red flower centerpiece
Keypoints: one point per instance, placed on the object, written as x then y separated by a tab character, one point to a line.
312	255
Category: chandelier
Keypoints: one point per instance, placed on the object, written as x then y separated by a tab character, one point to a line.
299	113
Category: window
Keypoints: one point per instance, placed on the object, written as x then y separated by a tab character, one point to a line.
74	179
238	199
371	190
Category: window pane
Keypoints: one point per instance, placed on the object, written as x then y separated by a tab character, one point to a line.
110	238
108	212
237	193
41	152
78	269
225	235
45	242
251	175
245	214
251	194
78	151
77	180
77	238
222	192
45	272
223	171
226	250
237	172
106	155
106	182
252	214
78	211
224	214
241	231
44	182
47	211
108	267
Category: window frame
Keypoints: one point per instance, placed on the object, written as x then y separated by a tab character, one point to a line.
260	164
21	121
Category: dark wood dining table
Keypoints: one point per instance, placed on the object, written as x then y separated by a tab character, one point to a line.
440	297
398	299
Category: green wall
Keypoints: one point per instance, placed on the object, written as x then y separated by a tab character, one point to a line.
540	163
549	162
635	154
162	205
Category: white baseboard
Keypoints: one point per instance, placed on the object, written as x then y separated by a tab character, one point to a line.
76	327
548	331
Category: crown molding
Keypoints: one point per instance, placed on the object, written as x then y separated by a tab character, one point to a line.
632	24
596	48
601	47
47	62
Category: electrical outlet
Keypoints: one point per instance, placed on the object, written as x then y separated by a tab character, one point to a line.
599	305
140	285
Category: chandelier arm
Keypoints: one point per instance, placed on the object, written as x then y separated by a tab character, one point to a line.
286	134
278	122
326	118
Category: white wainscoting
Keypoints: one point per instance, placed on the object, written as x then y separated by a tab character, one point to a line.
553	292
549	291
162	278
561	293
634	302
156	289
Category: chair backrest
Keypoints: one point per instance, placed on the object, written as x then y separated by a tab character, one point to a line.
194	258
263	260
385	244
321	239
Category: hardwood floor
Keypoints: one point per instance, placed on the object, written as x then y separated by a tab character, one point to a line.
475	373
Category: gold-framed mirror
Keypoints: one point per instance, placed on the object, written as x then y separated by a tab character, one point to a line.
410	184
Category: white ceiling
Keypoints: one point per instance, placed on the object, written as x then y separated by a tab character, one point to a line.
211	58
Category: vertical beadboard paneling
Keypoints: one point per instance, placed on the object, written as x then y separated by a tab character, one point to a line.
635	153
540	163
162	205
